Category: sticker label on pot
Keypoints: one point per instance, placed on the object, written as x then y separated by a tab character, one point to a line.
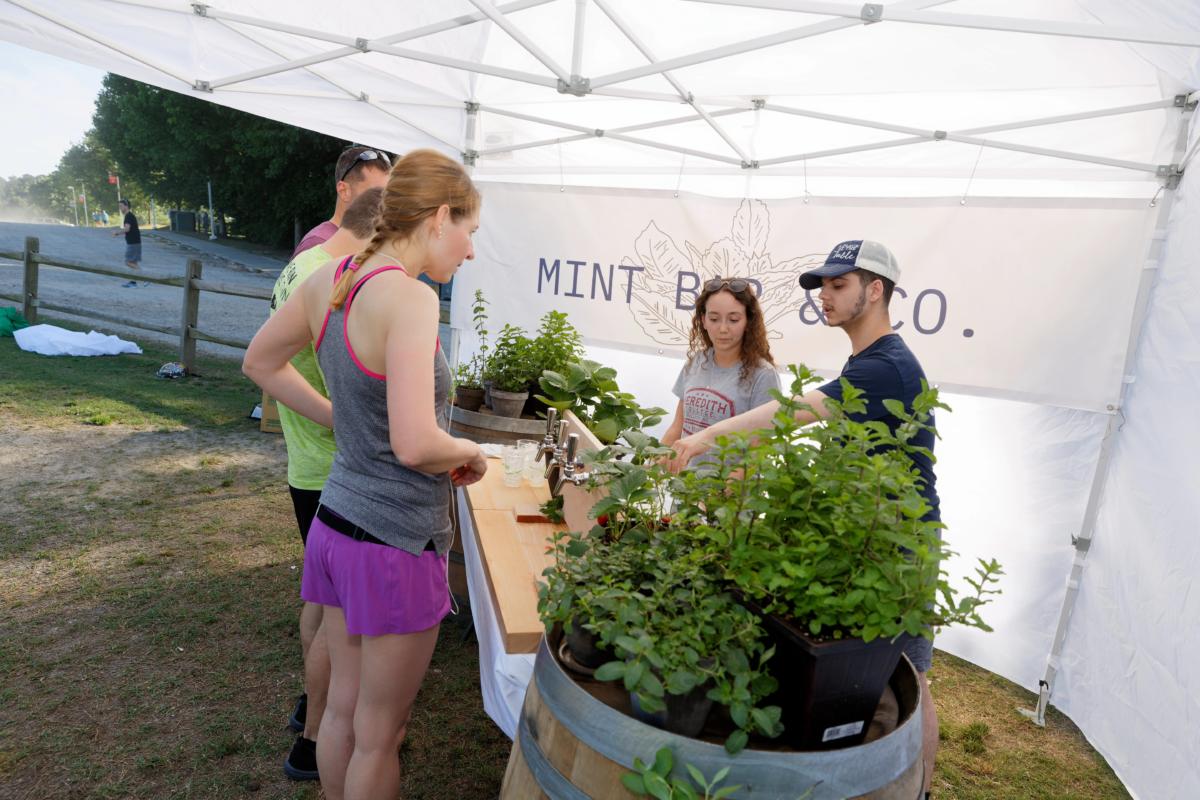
842	731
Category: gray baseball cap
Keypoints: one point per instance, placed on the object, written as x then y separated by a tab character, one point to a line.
852	255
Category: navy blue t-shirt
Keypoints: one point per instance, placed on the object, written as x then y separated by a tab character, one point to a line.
888	370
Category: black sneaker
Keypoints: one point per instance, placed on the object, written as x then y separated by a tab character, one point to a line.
299	714
301	763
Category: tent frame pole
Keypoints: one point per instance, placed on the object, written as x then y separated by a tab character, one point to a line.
684	94
1033	123
1083	542
577	42
758	43
100	40
351	48
506	25
875	12
588	133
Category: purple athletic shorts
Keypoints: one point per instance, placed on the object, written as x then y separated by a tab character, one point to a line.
380	589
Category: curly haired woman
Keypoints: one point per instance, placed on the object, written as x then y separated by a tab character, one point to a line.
729	368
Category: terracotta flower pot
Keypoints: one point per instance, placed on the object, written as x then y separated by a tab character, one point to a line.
508	404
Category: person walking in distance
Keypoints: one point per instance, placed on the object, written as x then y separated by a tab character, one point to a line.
133	236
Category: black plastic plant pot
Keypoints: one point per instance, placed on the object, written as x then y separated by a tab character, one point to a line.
469	398
584	647
828	689
684	715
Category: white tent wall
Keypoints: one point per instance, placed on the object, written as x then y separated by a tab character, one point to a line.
1128	671
1015	478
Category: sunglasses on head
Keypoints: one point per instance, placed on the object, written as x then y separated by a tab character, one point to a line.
366	155
735	285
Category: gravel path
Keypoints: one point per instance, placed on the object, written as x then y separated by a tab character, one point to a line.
164	255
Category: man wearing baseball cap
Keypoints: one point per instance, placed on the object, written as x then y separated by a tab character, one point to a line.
856	283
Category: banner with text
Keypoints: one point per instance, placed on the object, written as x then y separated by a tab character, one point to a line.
1023	298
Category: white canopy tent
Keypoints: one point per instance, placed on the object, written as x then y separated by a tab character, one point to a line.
1010	111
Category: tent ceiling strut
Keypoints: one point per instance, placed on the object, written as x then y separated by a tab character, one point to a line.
874	13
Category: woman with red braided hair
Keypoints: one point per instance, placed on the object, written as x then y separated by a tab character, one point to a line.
376	553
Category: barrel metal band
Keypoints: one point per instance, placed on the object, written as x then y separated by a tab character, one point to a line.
832	774
552	782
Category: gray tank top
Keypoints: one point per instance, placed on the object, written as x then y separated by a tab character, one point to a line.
367	485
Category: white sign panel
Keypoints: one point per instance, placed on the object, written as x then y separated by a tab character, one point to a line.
1027	299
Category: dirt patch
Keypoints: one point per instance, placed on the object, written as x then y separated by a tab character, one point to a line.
77	466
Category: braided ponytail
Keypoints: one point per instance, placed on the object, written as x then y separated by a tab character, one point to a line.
420	183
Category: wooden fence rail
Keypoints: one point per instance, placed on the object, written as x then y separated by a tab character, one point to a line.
192	284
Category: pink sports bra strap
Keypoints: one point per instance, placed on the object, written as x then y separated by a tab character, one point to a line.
367	277
337	273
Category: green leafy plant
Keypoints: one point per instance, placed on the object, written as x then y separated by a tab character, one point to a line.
511	366
656	601
555	345
681	632
655	780
590	390
469	374
553	509
823	523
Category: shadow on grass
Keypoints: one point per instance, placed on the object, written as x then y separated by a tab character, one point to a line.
149	650
106	389
178	687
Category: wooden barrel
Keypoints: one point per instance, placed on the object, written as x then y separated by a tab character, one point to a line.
484	428
572	746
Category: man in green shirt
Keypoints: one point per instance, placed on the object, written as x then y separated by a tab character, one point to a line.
310	449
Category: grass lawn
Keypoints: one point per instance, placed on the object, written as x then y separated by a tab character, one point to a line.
149	581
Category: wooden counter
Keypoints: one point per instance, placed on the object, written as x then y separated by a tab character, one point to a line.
513	553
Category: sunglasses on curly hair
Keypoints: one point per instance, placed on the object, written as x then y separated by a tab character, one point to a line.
736	285
366	155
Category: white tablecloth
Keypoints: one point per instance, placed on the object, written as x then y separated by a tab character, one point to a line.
503	676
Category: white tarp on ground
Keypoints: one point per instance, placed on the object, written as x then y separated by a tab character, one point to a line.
798	105
51	340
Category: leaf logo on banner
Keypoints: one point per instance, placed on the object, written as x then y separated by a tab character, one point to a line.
751	227
653	306
658	254
781	292
743	253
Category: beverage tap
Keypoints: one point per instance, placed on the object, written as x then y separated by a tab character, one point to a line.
554	456
546	448
571	470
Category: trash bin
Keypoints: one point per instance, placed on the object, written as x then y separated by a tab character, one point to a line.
186	221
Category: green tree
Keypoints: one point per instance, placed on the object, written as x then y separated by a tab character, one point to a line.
267	176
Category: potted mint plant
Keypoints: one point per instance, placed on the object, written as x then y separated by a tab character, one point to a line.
555	344
468	377
636	593
510	368
822	532
590	390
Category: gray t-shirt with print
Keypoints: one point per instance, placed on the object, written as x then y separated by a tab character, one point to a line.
711	393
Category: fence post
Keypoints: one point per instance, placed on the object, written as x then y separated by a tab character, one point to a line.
191	313
30	293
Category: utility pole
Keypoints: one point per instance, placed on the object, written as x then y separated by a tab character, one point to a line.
83	196
212	216
153	224
75	204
